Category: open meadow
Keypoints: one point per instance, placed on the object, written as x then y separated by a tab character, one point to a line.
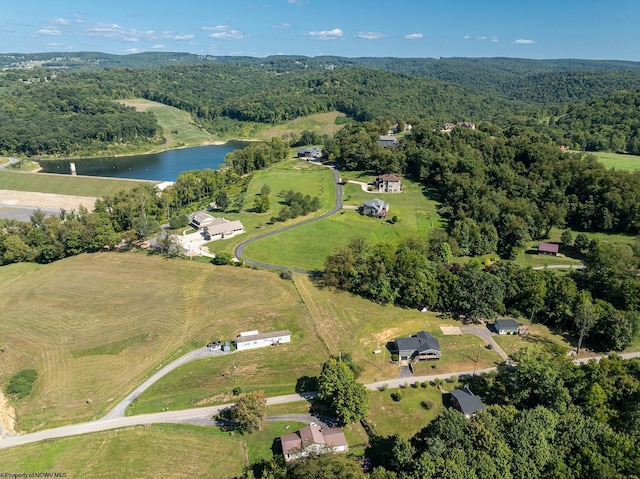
320	123
95	326
159	451
619	161
308	246
64	184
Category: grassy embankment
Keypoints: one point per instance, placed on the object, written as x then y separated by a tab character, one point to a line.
63	184
113	319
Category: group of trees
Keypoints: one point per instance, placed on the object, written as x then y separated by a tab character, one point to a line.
296	204
602	302
338	388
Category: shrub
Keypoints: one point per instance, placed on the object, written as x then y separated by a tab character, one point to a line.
424	384
489	346
396	396
178	221
286	274
394	358
416	385
237	391
428	404
384	387
21	383
222	258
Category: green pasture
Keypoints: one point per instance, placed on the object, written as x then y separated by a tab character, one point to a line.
619	161
63	184
321	123
177	125
296	175
159	451
307	246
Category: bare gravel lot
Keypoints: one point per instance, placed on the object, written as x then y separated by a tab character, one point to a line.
45	200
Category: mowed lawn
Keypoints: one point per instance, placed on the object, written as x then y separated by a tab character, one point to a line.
95	326
619	161
297	175
158	451
320	123
308	246
63	184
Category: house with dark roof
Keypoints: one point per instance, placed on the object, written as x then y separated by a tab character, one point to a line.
376	208
388	184
466	402
417	348
506	326
313	439
551	249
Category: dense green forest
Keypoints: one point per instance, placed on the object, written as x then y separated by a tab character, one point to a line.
71	111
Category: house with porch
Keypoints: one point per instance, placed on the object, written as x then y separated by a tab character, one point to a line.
388	183
313	439
420	347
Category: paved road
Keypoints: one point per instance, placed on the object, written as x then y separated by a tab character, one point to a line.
120	408
23	213
337	207
203	415
12	161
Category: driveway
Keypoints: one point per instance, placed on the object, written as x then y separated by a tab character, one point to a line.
483	333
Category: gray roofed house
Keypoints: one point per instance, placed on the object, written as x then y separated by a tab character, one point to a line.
506	326
221	229
253	339
466	402
387	141
376	208
201	219
421	346
310	153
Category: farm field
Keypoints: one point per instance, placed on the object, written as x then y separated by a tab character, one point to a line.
308	246
63	184
159	451
99	337
619	161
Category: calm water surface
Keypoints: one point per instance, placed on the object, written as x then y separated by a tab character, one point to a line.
163	166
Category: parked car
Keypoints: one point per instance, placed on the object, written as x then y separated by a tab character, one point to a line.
215	345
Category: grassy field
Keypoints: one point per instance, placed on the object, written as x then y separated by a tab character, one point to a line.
112	319
321	123
63	184
294	174
618	161
158	451
308	246
177	125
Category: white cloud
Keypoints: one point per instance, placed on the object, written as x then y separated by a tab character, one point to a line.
494	39
327	34
53	32
481	38
182	37
160	45
78	18
217	27
371	35
414	36
466	37
230	34
133	50
522	41
59	21
117	32
295	2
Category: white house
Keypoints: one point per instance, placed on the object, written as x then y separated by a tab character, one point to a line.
253	339
312	439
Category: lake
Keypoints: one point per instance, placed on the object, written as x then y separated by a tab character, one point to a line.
163	166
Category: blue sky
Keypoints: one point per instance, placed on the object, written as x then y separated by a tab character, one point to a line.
591	29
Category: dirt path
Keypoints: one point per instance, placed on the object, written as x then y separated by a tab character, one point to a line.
45	200
7	416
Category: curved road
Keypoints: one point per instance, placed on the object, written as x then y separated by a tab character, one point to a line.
336	207
203	416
